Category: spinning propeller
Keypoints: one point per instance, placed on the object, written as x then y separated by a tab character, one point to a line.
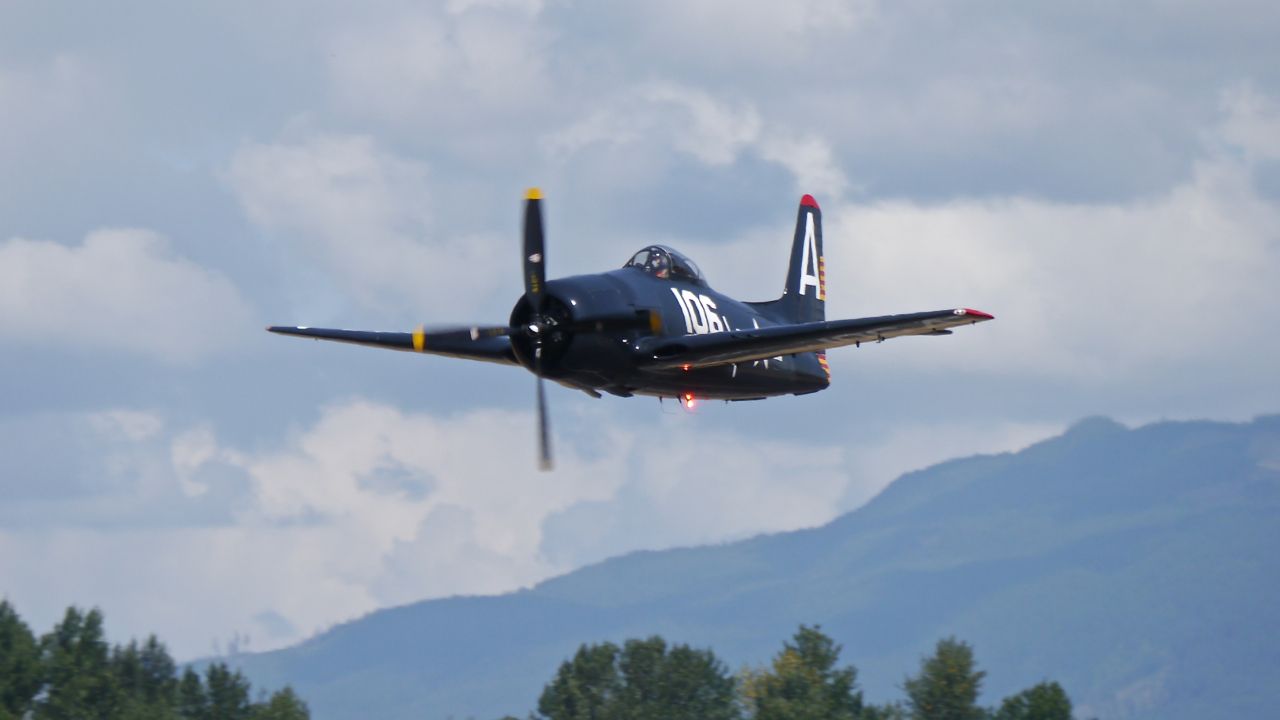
541	324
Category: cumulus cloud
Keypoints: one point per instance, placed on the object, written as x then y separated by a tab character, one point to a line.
724	35
464	70
1082	292
364	216
1086	293
371	506
1252	121
120	290
656	118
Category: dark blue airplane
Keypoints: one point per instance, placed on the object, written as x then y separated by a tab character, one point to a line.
655	327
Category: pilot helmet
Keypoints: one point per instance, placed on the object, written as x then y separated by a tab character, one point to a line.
661	265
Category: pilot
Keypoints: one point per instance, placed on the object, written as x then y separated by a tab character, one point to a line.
660	265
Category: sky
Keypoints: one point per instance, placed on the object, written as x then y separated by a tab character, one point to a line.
1104	178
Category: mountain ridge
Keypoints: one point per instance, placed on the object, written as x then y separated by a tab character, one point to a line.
1108	558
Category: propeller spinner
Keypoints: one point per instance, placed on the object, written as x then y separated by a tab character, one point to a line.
541	324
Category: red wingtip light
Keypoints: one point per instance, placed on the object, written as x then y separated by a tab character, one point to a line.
689	400
808	201
979	313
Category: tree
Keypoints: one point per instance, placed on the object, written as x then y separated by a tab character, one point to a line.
679	683
888	711
77	671
1046	701
643	680
19	665
228	693
193	701
803	683
948	685
283	705
73	674
145	678
584	686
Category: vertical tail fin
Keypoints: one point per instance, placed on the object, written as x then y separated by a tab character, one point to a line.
804	298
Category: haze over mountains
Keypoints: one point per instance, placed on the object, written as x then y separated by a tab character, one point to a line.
1136	567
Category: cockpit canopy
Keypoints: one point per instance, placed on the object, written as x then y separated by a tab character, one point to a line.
665	263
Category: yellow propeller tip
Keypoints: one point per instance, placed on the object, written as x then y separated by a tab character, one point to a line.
533	193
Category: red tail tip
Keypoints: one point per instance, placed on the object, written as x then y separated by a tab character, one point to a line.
979	313
808	201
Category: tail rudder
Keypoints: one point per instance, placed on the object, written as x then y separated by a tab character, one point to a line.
804	297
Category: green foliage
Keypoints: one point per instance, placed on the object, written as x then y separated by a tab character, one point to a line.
76	670
193	701
643	680
283	705
584	686
948	685
1046	701
228	693
646	680
888	711
803	683
19	664
145	678
73	674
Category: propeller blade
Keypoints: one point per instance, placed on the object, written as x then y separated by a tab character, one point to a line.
544	432
535	269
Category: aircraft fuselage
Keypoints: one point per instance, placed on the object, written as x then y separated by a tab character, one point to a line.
613	362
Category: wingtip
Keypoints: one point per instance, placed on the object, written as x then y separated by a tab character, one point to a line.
979	314
533	193
808	201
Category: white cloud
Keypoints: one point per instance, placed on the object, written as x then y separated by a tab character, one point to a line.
1154	288
121	290
810	160
363	215
369	507
751	37
662	118
478	66
1252	121
373	506
1079	291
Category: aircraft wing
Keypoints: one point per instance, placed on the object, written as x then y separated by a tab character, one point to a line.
735	346
450	343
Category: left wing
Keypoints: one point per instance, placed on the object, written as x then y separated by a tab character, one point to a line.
468	345
735	346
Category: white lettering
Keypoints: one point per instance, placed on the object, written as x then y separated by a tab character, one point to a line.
697	315
809	263
709	312
688	324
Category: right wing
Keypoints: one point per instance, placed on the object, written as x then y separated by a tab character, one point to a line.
735	346
451	343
